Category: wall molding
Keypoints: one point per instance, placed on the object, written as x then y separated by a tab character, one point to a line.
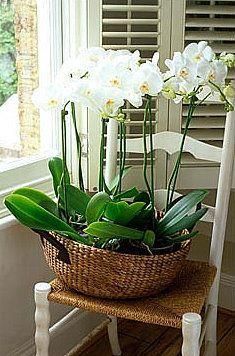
227	292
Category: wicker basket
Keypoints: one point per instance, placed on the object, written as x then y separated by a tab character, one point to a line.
107	274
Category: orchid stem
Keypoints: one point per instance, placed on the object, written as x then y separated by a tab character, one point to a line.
101	173
175	172
64	157
79	148
145	148
151	157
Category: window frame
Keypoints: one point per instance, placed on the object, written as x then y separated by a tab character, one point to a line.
33	171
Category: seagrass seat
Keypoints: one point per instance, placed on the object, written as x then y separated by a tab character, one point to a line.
187	294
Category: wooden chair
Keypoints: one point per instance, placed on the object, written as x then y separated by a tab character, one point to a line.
198	284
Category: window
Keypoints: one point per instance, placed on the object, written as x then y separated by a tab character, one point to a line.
30	53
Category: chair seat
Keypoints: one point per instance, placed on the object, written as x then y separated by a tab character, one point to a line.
187	294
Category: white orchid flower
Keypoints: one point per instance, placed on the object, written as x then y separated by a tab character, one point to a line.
51	97
124	58
76	68
217	73
182	68
147	80
110	74
198	52
105	101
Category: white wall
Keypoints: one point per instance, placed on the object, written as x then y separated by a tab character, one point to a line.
21	265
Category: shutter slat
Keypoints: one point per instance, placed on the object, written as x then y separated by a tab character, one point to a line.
131	34
124	8
206	122
207	134
130	21
212	110
202	22
210	35
211	9
132	47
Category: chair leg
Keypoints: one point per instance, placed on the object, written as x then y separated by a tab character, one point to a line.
42	318
191	329
211	334
113	336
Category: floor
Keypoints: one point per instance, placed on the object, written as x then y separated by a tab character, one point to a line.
152	340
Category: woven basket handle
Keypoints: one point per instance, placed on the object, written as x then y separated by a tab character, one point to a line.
63	254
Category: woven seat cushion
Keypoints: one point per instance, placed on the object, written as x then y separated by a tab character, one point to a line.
187	294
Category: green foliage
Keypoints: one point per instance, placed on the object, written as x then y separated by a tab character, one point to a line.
180	210
56	168
122	212
39	198
33	215
77	199
96	207
107	230
8	75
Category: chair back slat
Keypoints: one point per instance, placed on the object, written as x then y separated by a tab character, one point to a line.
170	142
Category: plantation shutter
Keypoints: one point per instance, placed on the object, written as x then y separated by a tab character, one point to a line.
213	21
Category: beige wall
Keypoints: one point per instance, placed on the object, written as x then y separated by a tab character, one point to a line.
21	266
201	244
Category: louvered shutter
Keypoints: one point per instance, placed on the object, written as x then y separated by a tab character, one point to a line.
213	21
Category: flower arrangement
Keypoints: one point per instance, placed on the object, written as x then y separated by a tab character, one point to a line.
104	81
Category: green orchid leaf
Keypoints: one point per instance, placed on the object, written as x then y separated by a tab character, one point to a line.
122	212
77	200
149	238
39	198
187	222
181	208
107	230
142	196
182	238
112	185
96	207
89	241
56	168
33	215
130	193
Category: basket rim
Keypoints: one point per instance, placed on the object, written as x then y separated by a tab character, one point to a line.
109	252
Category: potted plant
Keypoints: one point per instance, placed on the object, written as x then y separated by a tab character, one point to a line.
115	243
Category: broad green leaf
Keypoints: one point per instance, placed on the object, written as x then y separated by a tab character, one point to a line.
96	206
77	200
34	216
107	230
39	198
182	237
186	222
112	185
149	238
76	237
181	208
56	168
142	196
122	212
130	193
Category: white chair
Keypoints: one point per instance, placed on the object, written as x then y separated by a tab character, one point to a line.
194	327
